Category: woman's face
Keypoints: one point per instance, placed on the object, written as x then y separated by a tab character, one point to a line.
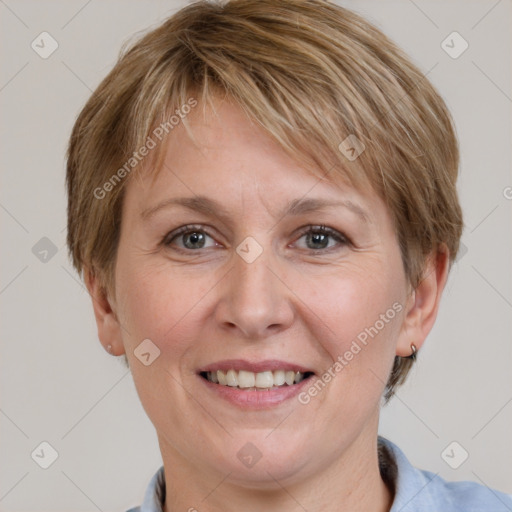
246	282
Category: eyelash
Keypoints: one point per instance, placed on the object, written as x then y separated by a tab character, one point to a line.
318	229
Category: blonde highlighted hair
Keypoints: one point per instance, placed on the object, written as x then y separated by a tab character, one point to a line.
310	73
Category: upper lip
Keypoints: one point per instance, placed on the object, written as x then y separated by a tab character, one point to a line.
254	366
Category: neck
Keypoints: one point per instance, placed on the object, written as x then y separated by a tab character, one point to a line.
351	483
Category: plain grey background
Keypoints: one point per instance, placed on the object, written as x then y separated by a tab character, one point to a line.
59	385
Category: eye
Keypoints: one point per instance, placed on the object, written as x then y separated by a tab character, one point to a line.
190	237
317	238
194	237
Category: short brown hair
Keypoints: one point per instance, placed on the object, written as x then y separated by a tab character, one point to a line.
311	73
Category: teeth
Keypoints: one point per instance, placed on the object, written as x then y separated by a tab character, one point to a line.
250	380
232	378
289	377
264	380
278	377
245	379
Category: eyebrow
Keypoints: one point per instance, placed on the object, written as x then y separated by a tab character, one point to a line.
295	207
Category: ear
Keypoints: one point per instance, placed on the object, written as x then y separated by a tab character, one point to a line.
109	329
423	304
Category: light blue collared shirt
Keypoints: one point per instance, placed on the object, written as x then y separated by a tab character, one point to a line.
416	490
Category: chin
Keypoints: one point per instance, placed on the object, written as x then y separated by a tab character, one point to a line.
258	461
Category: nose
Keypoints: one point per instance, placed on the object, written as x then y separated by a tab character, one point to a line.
255	298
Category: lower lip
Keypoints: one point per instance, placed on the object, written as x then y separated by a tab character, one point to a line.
253	400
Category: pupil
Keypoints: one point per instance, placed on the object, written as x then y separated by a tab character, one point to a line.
319	238
194	238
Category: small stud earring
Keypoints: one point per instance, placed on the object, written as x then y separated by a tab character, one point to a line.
109	349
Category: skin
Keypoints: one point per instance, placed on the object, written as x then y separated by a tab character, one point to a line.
295	303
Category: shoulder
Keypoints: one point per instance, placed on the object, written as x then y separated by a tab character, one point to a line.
423	491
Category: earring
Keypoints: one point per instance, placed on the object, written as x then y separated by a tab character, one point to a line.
109	349
413	351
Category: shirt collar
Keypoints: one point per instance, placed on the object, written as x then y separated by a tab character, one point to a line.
155	493
411	485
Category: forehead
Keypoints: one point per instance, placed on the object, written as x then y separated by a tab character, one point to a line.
220	152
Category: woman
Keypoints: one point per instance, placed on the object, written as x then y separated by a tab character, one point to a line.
263	206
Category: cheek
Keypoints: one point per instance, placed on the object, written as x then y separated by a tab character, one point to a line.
359	318
351	302
159	303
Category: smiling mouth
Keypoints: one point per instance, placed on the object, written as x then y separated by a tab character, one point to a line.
250	381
